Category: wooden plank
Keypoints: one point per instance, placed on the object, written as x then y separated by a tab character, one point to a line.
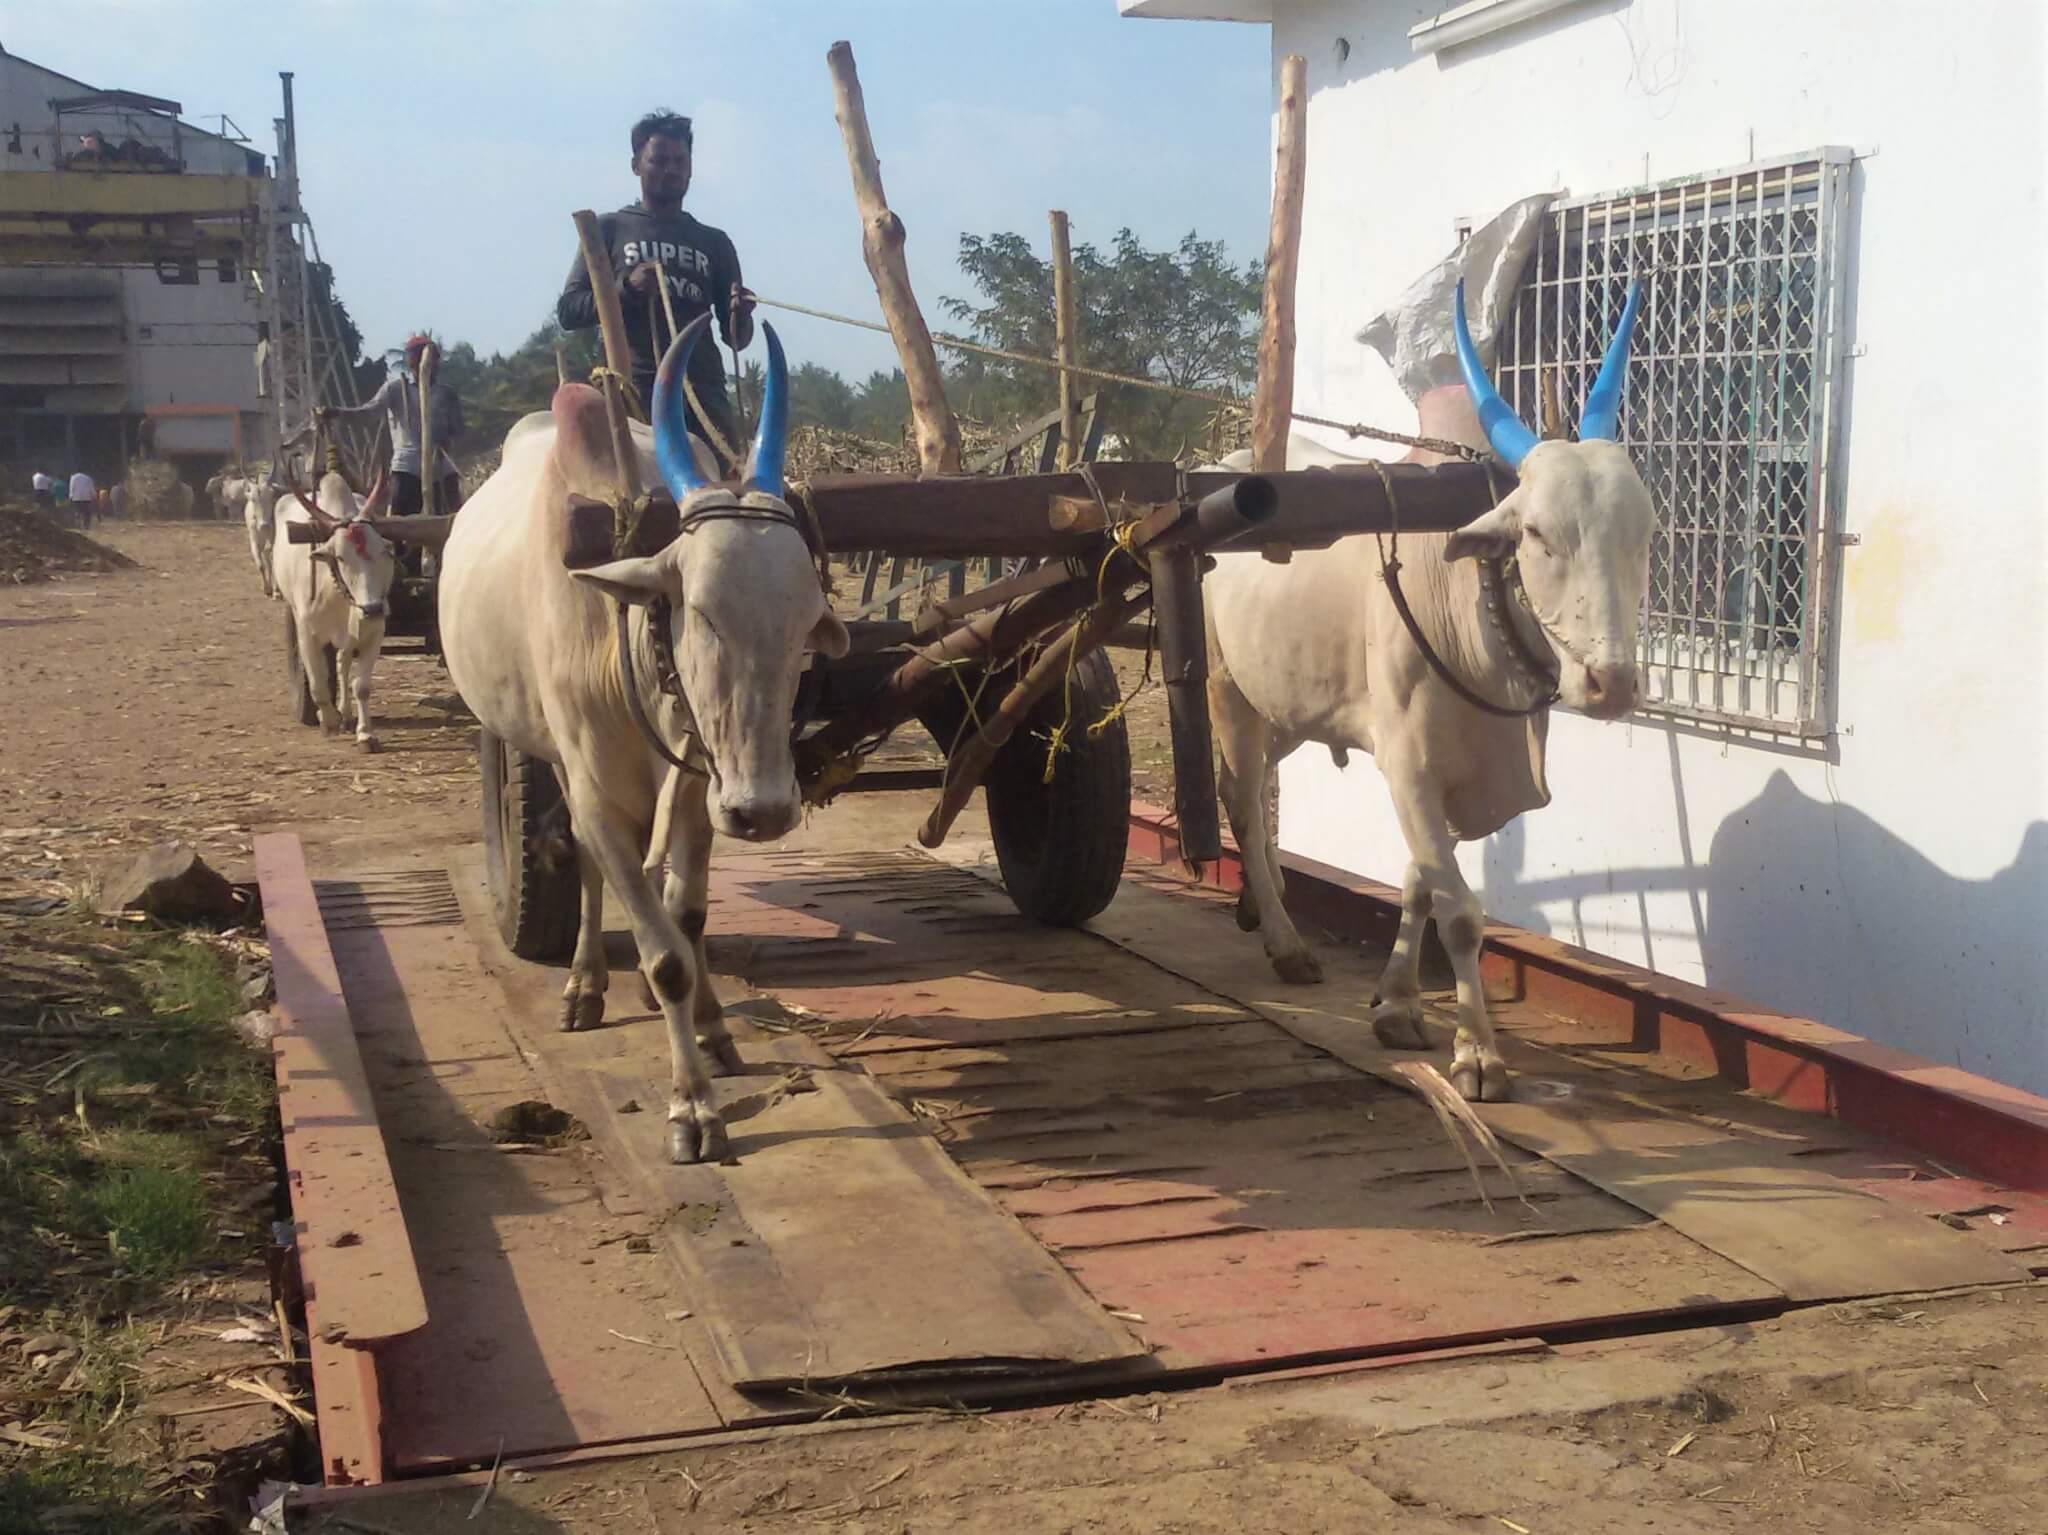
842	1243
532	1291
354	1253
1247	1196
1751	1199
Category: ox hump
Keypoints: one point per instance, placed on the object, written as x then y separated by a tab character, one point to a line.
583	440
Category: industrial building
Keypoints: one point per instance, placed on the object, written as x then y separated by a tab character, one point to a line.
153	284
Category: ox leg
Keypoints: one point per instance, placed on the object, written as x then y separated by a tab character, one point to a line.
1249	754
261	556
589	972
365	660
687	898
695	1132
1477	1070
313	656
1397	1008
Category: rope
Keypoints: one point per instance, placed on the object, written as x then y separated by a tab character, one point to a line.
668	307
1441	445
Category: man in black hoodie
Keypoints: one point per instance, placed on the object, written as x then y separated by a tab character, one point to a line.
653	242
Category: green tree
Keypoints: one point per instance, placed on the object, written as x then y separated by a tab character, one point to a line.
881	406
1185	316
820	397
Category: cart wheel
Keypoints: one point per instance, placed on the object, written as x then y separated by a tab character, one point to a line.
1061	844
538	900
303	704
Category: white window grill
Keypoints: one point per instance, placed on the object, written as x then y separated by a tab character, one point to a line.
1734	387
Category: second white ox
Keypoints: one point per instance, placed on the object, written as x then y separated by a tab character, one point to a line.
1541	592
534	650
259	516
336	590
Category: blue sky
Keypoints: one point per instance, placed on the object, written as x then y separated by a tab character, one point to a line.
446	202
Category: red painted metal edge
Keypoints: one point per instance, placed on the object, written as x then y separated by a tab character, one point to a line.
1966	1121
355	1256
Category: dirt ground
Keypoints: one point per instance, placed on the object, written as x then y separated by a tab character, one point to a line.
151	703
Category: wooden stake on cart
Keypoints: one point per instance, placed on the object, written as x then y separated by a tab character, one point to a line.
1273	404
1066	341
618	358
429	499
938	434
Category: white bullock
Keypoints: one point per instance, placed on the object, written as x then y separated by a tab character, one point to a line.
228	491
534	650
337	590
259	516
1539	595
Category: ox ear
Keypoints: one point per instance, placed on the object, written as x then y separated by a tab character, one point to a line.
829	637
1491	537
637	580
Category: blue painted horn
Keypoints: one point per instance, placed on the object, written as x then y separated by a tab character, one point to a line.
672	453
764	459
1505	433
1601	418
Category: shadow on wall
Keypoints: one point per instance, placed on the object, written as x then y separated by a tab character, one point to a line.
1814	908
1817	909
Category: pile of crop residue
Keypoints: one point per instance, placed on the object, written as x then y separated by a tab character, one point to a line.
33	548
152	492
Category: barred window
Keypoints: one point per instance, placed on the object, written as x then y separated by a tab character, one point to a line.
1733	392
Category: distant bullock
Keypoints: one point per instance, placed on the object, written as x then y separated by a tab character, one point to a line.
336	589
259	516
1536	600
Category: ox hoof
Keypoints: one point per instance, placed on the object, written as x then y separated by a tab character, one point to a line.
369	746
1481	1081
585	1010
1298	969
696	1136
1398	1026
1247	911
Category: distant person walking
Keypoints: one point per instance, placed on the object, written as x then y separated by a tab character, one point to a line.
45	491
85	498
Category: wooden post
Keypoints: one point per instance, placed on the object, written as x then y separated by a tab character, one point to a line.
618	356
1273	405
938	434
429	359
1066	341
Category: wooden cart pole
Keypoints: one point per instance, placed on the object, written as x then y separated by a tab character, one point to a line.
938	434
618	356
1066	341
429	360
1273	404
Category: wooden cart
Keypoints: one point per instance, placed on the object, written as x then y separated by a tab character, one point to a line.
996	675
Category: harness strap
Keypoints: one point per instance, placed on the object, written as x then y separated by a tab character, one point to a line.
634	705
1390	572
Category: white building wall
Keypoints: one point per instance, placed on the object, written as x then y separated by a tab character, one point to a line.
1894	883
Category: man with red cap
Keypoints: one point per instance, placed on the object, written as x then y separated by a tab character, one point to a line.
399	399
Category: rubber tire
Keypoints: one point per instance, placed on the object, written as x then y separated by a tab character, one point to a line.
539	909
1061	845
304	707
